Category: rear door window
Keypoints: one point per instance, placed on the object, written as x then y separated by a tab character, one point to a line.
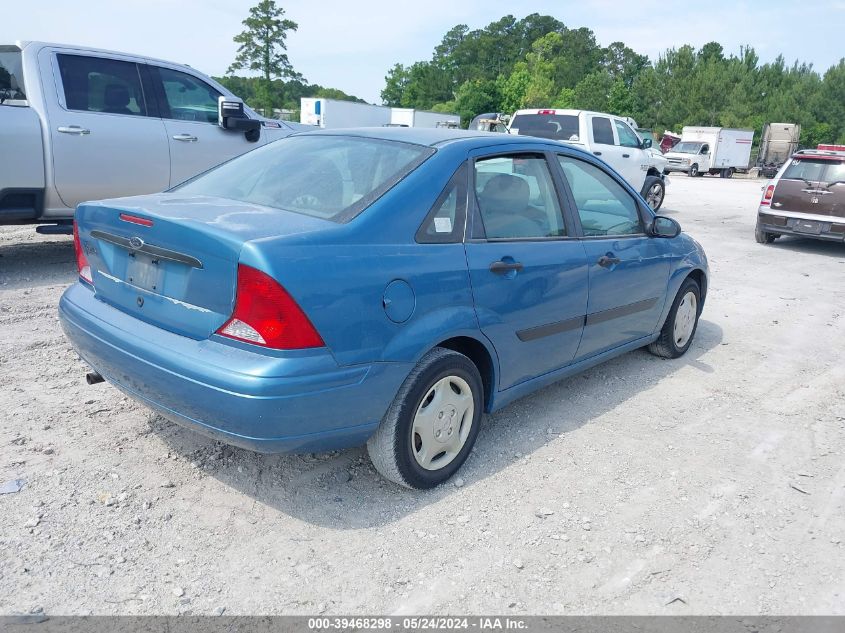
516	198
98	84
602	131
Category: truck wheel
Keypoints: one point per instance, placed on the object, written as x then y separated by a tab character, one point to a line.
654	191
429	430
693	171
729	172
763	237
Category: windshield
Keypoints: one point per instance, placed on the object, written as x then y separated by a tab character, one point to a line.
11	74
329	177
687	148
815	170
562	127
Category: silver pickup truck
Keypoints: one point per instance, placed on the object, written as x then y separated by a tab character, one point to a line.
82	124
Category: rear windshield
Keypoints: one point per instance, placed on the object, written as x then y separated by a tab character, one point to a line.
11	75
329	177
563	127
815	170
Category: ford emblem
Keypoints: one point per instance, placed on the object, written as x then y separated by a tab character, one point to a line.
136	243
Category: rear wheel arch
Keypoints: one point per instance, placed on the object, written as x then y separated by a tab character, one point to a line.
481	357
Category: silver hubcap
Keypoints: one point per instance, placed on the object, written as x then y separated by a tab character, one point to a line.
654	196
685	319
442	423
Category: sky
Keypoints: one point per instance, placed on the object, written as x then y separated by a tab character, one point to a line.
351	45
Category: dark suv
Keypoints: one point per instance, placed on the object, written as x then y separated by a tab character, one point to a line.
806	198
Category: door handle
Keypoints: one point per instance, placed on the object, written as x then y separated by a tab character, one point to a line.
626	156
597	153
606	261
188	138
73	129
501	267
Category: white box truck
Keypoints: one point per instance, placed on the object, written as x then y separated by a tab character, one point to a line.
408	117
710	150
334	113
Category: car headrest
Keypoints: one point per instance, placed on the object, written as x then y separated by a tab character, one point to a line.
503	192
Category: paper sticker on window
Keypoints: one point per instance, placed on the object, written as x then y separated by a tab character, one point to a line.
442	225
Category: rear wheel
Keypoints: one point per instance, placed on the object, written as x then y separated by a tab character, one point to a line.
693	171
429	430
654	191
679	329
763	237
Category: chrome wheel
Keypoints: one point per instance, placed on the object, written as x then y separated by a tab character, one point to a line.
685	317
442	423
654	196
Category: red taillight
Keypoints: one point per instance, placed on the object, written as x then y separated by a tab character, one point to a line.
265	314
767	197
545	111
134	219
81	261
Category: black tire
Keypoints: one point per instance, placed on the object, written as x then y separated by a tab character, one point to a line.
729	172
763	237
666	346
654	192
391	446
693	171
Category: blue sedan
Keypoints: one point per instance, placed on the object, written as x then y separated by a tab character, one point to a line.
383	285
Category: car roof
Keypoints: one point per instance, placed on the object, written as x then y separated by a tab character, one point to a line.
89	49
820	153
432	136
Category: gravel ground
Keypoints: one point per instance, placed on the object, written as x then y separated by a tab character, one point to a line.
712	484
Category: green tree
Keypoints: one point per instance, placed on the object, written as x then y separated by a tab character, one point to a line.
262	48
395	84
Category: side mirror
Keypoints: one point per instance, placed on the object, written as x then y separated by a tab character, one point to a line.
646	143
231	116
662	226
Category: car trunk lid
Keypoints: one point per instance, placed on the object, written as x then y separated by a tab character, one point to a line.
172	260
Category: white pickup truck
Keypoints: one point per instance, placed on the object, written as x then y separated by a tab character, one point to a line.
82	124
609	137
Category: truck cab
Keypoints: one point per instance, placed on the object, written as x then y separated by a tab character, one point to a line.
692	157
609	137
88	124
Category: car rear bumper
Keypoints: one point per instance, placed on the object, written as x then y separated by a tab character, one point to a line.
260	400
802	225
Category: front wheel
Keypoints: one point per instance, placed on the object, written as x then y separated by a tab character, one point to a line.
429	430
679	329
693	171
654	191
